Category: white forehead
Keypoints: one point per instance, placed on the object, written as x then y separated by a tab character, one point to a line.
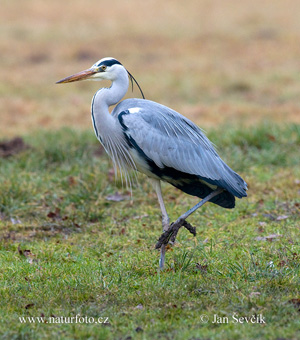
108	61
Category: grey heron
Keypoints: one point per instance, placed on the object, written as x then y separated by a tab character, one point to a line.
159	142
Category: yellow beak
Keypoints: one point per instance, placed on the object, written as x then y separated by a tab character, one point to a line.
78	76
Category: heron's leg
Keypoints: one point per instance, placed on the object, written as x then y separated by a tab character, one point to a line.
184	216
165	218
171	233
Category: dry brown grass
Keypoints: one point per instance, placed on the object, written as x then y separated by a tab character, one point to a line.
214	61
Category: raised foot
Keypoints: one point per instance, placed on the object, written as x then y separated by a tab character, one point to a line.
170	235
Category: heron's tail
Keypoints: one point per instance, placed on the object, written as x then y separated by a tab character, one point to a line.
225	199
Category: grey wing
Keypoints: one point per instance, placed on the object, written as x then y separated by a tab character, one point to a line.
171	140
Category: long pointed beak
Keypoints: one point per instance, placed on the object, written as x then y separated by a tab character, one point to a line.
78	76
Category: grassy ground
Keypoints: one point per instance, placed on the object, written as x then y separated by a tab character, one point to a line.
66	249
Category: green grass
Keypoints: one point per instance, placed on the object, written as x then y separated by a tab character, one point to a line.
90	256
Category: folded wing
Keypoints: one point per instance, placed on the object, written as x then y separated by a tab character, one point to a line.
173	142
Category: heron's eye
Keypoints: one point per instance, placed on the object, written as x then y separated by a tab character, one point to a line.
103	67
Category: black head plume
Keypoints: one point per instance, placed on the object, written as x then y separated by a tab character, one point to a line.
132	79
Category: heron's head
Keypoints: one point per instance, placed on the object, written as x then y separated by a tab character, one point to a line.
104	69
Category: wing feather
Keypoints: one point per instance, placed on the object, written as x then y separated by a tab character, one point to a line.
171	140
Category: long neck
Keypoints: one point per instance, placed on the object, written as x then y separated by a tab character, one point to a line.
107	127
103	122
112	95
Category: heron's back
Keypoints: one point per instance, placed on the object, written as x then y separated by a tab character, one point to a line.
168	146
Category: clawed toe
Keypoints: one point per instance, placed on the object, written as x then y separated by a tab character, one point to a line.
170	235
